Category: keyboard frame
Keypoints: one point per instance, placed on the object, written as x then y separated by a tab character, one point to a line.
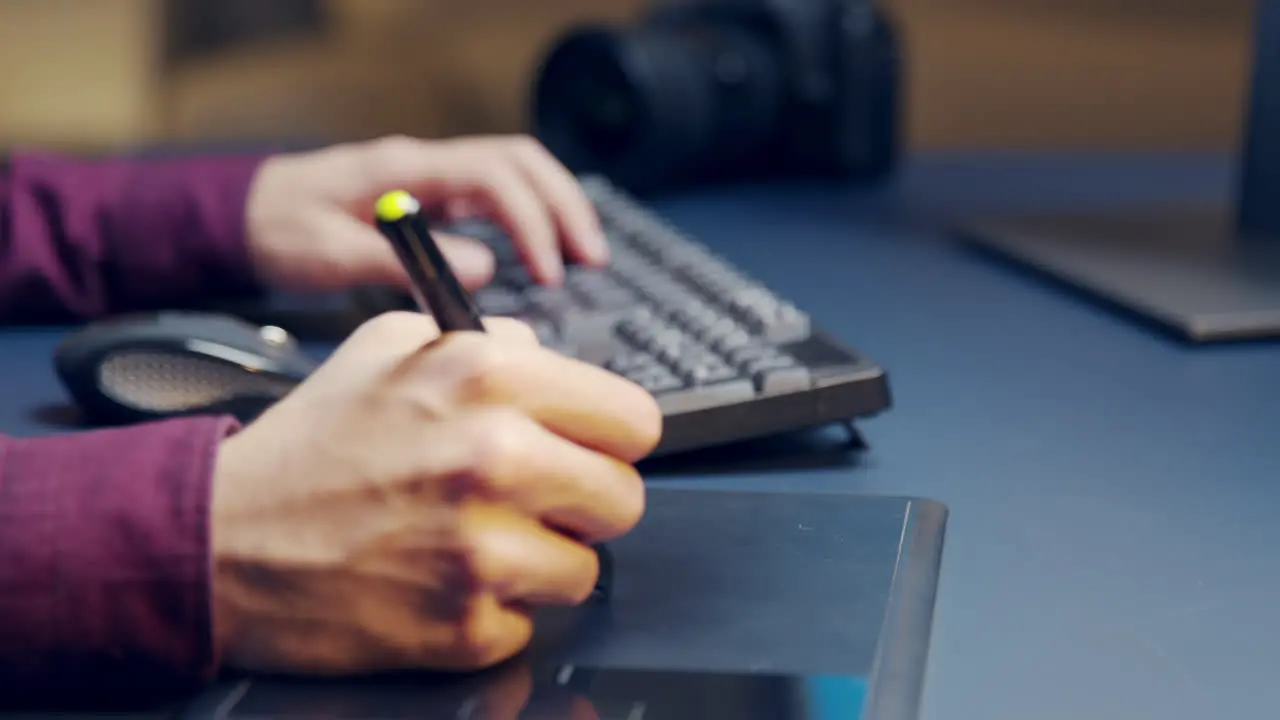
856	396
853	393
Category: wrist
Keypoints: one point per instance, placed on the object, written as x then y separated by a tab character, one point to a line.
261	223
181	230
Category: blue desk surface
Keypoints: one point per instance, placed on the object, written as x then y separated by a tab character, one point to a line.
1112	550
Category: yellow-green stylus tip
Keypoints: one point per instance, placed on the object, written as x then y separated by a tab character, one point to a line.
395	205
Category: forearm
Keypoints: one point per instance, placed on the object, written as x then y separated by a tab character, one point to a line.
104	558
82	238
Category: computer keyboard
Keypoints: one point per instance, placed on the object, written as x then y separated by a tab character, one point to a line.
726	358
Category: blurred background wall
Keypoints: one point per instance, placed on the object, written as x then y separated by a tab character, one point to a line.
983	73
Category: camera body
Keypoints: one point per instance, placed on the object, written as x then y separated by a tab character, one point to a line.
707	90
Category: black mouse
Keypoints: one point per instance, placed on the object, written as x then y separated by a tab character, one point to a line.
134	368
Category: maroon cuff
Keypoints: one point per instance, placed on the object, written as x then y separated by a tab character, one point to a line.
105	558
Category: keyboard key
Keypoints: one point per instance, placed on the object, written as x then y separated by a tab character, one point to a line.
546	332
656	379
706	396
773	361
777	324
706	373
628	362
746	354
728	339
776	381
597	291
551	301
497	300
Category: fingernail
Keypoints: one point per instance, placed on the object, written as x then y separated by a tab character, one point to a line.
553	273
601	252
593	248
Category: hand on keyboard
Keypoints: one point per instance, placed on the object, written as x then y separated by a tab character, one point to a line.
306	222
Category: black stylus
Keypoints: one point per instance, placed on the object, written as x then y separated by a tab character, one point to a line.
434	286
437	291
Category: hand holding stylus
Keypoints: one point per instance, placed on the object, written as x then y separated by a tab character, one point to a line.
439	293
410	503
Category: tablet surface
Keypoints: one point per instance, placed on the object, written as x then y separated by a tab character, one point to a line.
724	605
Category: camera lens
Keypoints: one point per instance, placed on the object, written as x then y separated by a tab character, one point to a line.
661	105
588	104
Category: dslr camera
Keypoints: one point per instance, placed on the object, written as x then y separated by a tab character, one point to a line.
712	90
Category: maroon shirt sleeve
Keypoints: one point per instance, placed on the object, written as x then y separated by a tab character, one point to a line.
105	559
80	238
104	535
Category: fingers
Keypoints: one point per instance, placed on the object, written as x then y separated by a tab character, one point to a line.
506	367
560	190
358	255
511	330
507	457
522	562
527	217
513	177
395	333
408	338
578	401
491	633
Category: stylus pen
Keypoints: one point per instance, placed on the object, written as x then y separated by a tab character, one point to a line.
437	291
433	285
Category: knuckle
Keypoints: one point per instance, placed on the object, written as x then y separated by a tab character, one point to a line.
388	150
513	329
523	142
633	507
393	143
476	559
587	579
648	419
485	368
584	591
496	179
500	440
390	329
482	642
644	419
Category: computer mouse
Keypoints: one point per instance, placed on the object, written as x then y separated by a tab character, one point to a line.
151	366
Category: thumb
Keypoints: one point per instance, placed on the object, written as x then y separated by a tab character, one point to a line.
472	261
367	258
